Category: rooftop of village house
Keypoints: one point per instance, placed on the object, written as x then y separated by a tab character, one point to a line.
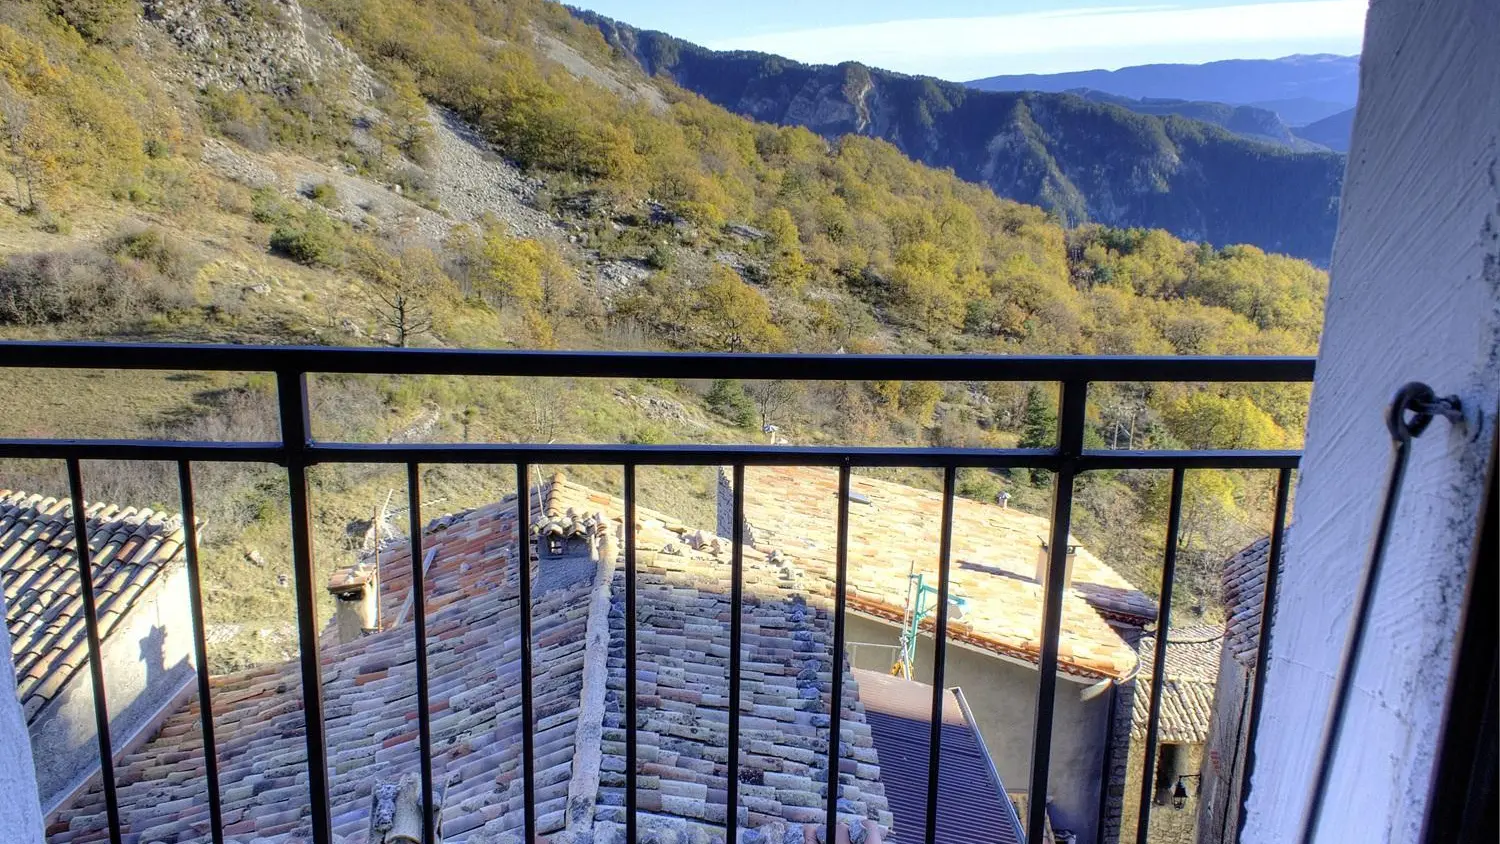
473	616
129	549
1187	690
579	673
893	532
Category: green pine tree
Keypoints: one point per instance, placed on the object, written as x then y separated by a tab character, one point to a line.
728	399
1038	427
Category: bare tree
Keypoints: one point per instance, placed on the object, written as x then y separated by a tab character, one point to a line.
545	403
400	290
401	310
774	399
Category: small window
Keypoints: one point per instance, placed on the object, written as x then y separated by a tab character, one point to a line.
554	545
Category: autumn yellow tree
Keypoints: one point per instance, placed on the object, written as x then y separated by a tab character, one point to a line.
735	315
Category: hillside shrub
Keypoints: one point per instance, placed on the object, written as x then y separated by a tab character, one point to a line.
325	194
314	240
267	206
100	21
84	286
163	253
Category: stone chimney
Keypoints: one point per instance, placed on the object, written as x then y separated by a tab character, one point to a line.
609	541
356	593
1043	564
396	812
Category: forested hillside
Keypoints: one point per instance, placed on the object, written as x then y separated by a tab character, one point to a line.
1250	122
1083	160
494	174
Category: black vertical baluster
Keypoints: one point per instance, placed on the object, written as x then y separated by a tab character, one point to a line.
200	648
836	704
419	619
1159	663
939	652
96	662
523	578
1070	446
630	668
1263	646
736	606
291	391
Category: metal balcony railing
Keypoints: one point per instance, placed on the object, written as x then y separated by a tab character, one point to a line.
297	450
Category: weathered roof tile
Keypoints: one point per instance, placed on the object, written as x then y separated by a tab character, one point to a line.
893	531
1187	693
1244	581
129	550
473	657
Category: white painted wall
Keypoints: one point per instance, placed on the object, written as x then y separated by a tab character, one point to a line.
148	664
20	813
1415	296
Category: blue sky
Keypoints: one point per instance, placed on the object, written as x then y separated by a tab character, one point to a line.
967	39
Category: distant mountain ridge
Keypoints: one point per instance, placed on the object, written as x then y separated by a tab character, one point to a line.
1332	132
1084	160
1301	88
1247	121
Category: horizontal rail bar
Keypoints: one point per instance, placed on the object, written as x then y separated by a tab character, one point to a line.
373	361
638	455
1196	459
858	456
167	450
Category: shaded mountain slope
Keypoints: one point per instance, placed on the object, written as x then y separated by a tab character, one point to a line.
1083	160
1332	132
1250	122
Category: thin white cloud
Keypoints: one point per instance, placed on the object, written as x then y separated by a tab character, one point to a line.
1039	41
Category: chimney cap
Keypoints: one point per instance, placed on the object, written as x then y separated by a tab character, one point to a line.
352	579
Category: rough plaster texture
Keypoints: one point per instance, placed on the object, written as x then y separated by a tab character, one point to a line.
1002	695
1415	295
148	660
20	814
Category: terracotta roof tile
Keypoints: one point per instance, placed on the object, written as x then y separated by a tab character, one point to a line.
473	621
1244	580
1187	694
894	530
129	550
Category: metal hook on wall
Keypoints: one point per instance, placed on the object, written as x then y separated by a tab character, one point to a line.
1411	411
